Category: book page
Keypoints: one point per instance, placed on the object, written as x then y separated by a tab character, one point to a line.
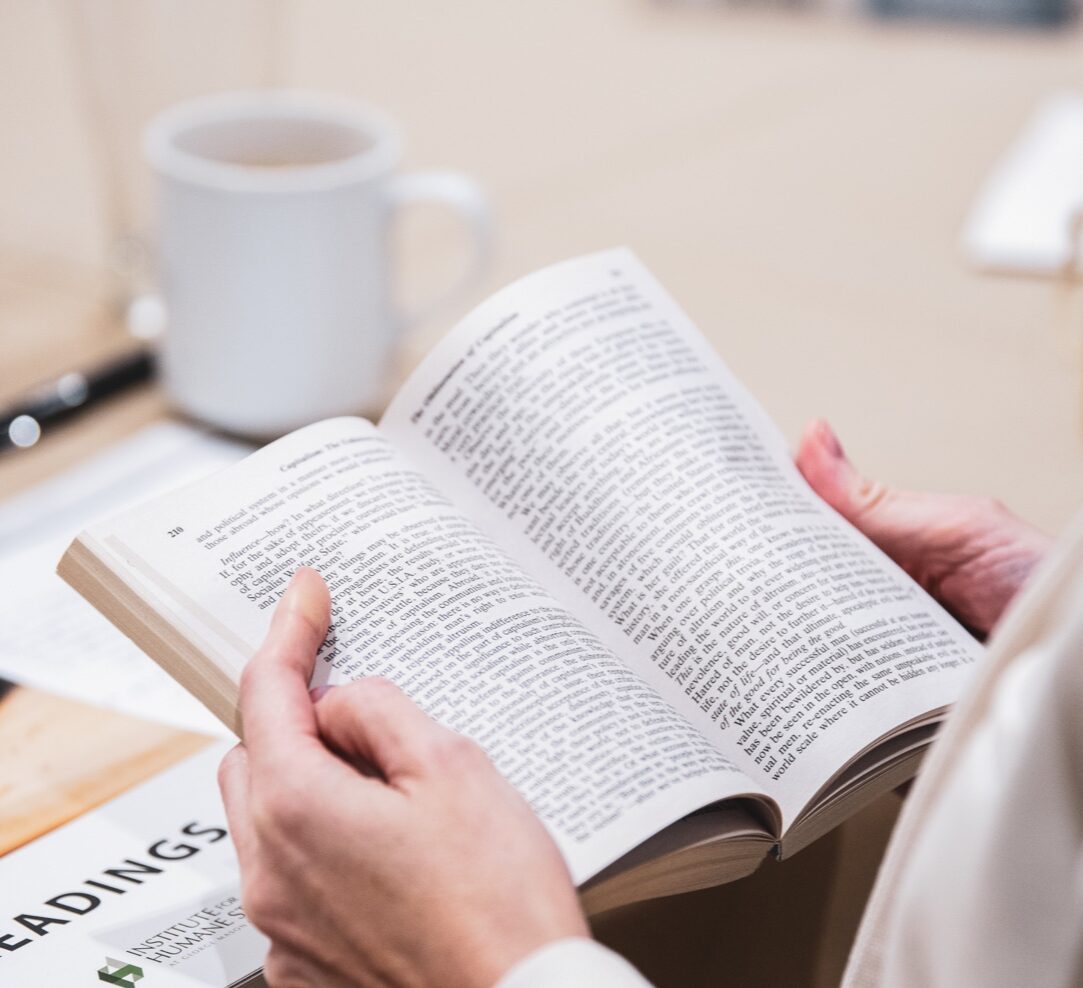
586	424
422	597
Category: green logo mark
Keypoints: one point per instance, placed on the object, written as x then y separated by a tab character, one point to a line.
122	972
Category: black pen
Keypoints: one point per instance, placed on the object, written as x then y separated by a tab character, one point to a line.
22	423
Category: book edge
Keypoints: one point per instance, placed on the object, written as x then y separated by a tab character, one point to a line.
90	575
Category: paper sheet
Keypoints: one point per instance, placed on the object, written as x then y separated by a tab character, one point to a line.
50	637
145	886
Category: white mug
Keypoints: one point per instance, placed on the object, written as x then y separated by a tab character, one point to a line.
274	213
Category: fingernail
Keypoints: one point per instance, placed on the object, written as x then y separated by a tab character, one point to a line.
299	576
307	593
317	693
831	441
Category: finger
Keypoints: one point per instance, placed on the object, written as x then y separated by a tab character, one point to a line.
233	783
902	523
829	472
885	515
276	710
919	530
372	720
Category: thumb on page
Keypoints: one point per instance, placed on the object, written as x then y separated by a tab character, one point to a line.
900	522
916	528
275	705
825	465
926	534
971	553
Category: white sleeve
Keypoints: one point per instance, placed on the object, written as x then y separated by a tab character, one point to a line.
574	962
994	857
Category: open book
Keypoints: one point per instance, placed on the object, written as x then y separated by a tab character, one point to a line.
576	538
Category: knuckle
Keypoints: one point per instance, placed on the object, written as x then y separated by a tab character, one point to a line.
273	972
281	810
269	907
281	969
248	676
457	751
230	763
871	494
366	695
260	902
376	688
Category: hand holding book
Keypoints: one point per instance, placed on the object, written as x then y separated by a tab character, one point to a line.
419	814
404	852
971	553
575	538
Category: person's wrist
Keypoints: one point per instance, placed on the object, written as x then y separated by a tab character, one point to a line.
505	950
572	962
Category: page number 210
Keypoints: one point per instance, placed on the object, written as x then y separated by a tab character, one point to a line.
174	532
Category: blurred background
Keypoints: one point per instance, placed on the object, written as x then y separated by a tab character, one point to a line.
796	175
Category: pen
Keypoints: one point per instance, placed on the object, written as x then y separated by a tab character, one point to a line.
21	424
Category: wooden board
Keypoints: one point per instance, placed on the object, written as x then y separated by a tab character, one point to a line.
60	758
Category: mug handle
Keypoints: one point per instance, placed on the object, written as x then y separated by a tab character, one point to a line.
467	198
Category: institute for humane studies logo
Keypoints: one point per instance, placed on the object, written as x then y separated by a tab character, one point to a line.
122	972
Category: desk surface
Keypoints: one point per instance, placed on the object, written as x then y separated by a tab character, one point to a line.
798	183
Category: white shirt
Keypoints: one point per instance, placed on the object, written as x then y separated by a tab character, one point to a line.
983	881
